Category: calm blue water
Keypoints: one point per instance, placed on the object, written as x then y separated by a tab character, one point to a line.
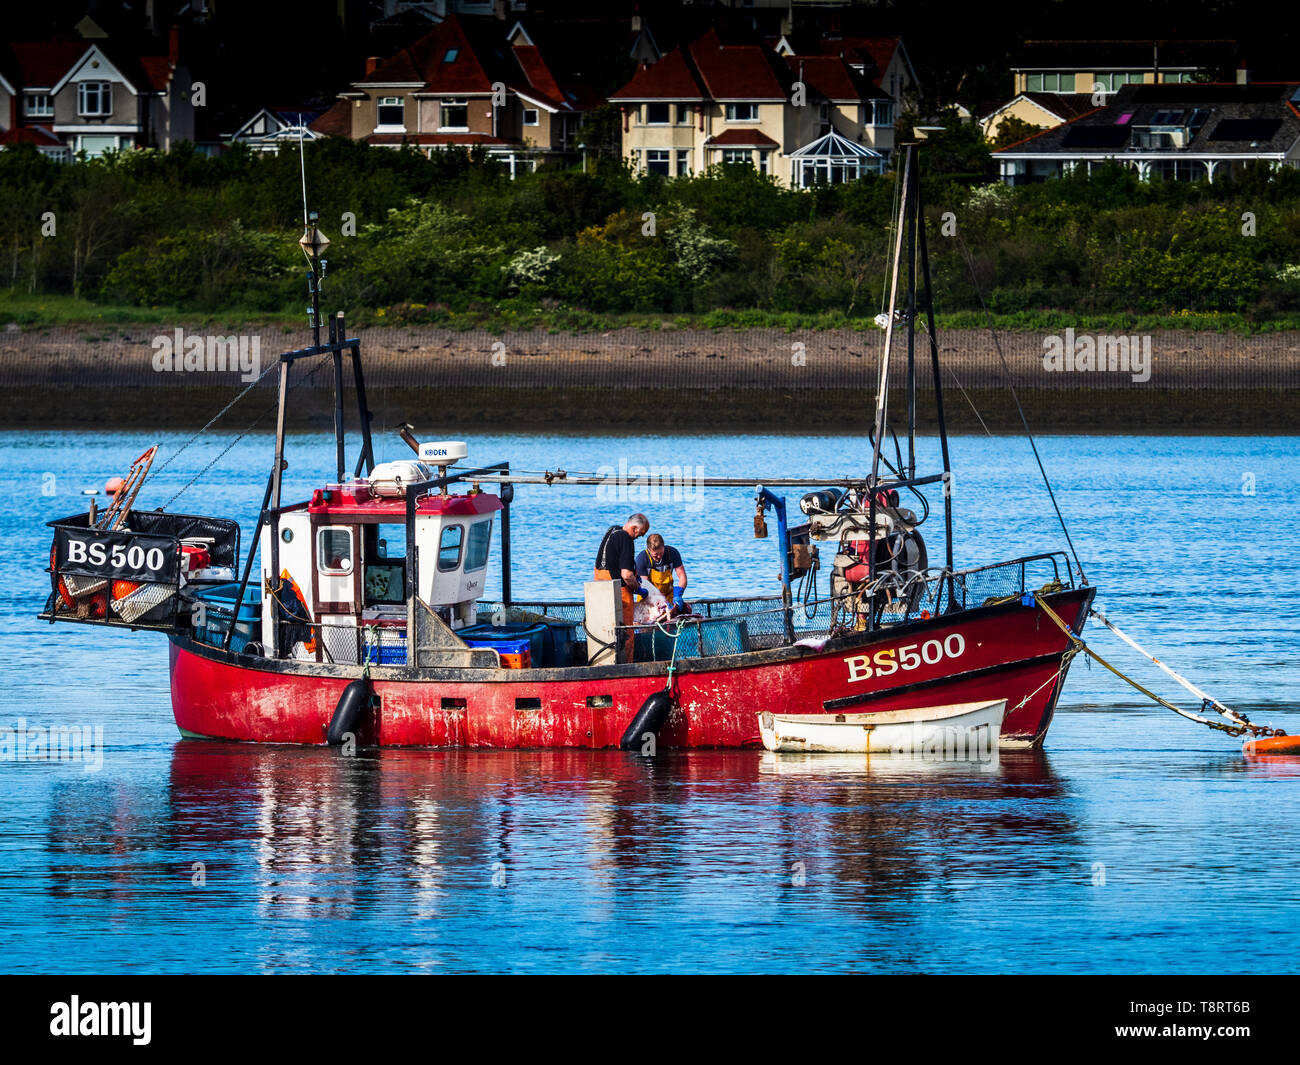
1137	842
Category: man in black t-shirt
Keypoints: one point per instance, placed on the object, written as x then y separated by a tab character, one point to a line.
616	561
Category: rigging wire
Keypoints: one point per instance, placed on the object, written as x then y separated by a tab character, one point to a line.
1006	370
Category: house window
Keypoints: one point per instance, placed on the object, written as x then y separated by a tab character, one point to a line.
683	162
97	144
530	116
38	105
1049	83
882	112
683	114
94	98
390	112
450	55
656	161
741	156
742	112
455	114
657	114
762	162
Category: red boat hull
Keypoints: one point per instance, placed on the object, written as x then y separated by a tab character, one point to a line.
1007	651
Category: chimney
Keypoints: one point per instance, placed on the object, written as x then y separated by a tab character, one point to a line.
174	45
1243	76
372	63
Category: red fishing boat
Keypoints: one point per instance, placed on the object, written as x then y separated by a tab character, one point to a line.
360	614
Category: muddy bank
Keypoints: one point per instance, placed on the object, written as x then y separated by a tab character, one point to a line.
678	380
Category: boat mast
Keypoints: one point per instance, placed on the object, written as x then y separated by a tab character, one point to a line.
882	387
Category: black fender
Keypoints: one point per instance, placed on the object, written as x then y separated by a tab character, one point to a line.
650	718
352	705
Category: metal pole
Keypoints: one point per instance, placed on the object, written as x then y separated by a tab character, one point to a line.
938	403
910	224
882	388
248	564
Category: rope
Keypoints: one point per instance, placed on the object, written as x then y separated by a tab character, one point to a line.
251	426
1006	370
1231	730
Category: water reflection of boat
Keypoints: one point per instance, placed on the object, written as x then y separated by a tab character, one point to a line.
368	613
955	733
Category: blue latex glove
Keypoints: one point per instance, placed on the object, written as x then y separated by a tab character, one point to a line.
678	595
641	591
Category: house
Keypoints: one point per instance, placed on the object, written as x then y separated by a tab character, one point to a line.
93	96
1042	110
882	60
1105	66
801	119
272	126
1167	131
465	84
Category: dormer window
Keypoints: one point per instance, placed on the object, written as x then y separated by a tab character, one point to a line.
450	55
390	112
94	99
38	105
742	112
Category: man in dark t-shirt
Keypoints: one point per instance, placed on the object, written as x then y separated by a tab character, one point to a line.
616	561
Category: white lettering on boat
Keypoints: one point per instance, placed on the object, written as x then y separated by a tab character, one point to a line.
891	660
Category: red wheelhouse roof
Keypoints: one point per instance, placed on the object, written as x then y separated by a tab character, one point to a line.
393	508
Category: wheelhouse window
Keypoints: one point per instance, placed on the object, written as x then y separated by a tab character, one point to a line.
391	112
455	114
476	548
334	550
657	114
742	112
449	547
94	99
39	105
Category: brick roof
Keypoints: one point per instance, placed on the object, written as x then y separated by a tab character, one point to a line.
741	138
833	78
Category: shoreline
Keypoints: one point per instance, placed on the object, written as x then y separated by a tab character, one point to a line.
762	380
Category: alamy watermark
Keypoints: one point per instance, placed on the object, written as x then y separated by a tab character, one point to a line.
58	743
179	353
651	484
1098	354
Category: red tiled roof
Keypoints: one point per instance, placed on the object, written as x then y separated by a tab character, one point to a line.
42	63
740	71
158	69
831	77
37	135
336	122
482	60
741	138
435	138
672	78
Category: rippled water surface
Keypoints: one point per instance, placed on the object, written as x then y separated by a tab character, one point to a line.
1135	842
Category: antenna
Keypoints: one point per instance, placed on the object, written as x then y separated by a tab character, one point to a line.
302	159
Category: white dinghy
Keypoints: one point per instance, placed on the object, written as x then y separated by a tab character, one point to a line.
957	732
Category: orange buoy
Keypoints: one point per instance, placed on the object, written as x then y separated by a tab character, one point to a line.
1270	745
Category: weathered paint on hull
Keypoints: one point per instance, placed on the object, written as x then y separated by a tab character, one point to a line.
1007	652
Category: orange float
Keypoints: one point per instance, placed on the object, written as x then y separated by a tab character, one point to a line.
1267	746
